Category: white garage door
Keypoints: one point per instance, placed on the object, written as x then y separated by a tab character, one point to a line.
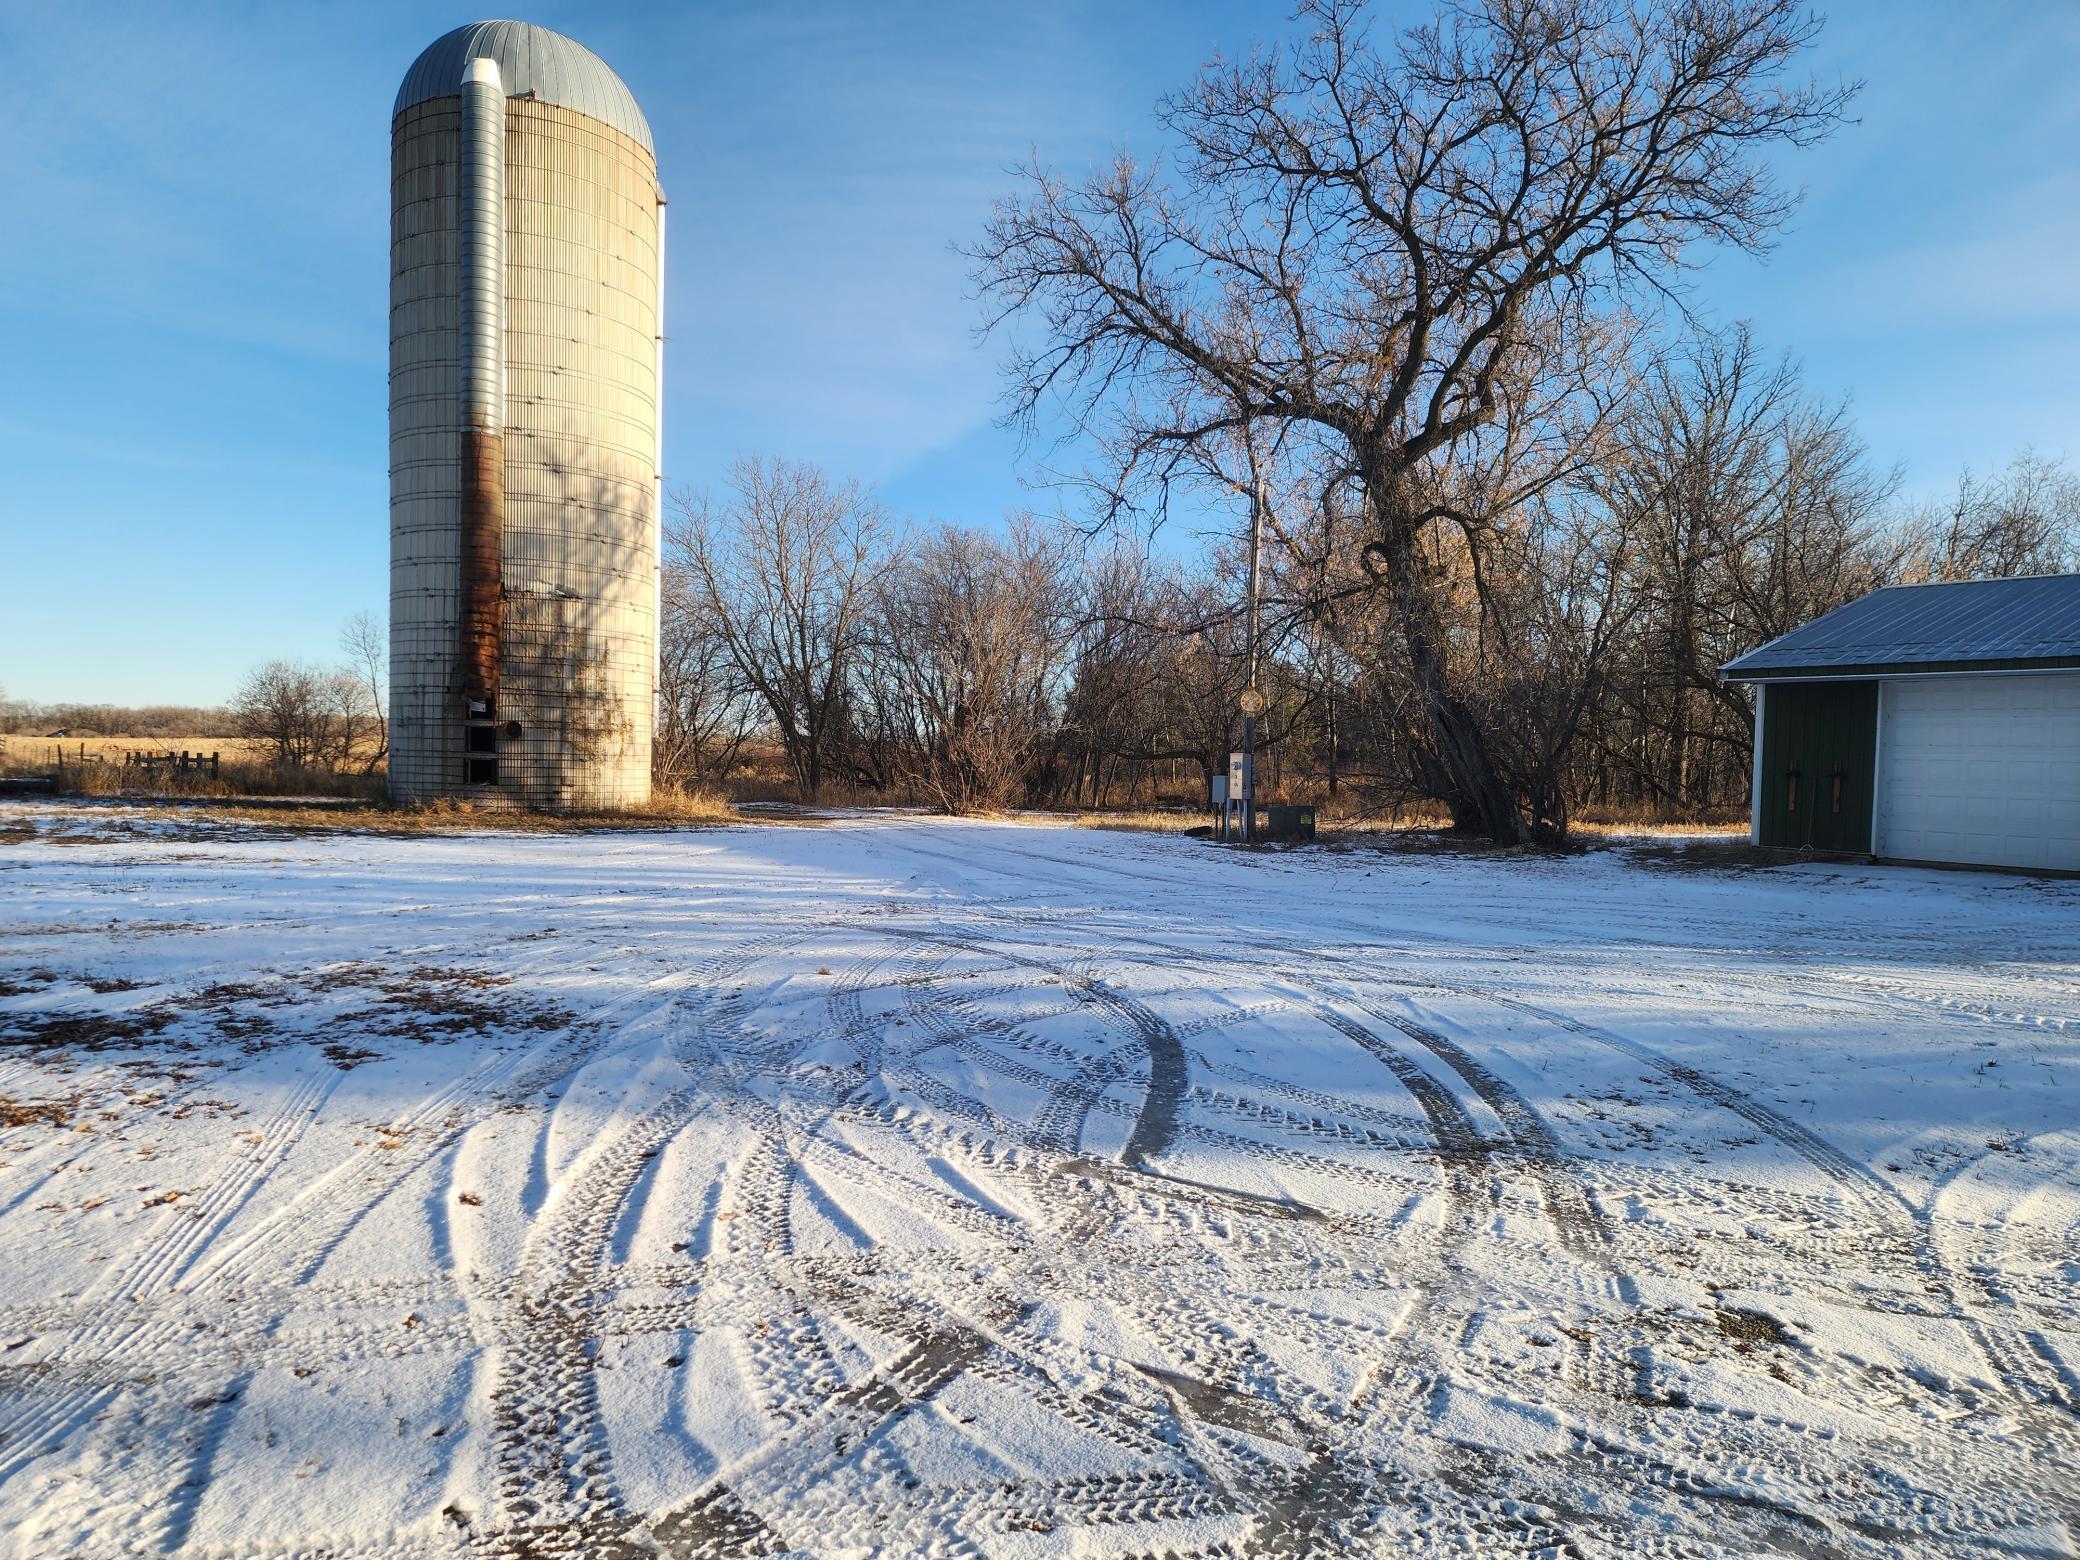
1981	769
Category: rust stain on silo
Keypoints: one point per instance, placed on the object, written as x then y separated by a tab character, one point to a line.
483	555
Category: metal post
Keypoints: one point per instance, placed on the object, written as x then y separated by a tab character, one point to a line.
1249	721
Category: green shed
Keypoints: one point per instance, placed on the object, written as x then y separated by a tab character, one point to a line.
1935	723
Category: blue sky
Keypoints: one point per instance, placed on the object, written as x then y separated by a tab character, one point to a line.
193	285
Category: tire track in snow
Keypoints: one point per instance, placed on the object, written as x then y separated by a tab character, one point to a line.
779	1477
553	1486
1292	1514
2030	1370
1460	1493
721	1512
1577	1221
1538	1136
789	1356
113	1346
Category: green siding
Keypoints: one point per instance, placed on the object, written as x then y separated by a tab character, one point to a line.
1820	729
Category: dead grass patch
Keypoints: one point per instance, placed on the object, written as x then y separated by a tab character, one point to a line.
1607	829
362	1005
24	749
347	1057
1750	1327
1143	821
124	817
1332	821
19	983
69	1030
431	1005
37	1113
77	928
1400	833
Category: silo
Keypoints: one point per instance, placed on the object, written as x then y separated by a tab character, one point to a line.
526	370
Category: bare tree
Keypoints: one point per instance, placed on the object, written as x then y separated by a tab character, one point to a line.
782	568
1750	508
351	712
1156	663
292	711
705	709
366	641
2026	520
1391	252
967	660
1113	672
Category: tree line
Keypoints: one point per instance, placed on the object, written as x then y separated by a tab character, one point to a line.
1026	664
29	717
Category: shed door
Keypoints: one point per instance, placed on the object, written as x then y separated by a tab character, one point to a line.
1819	759
1981	769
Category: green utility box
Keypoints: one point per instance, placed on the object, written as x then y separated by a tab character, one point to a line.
1290	823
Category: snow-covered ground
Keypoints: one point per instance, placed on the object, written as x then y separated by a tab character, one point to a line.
906	1185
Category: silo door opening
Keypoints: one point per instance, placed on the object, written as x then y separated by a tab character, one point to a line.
480	744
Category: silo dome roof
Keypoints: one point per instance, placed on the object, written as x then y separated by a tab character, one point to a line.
533	60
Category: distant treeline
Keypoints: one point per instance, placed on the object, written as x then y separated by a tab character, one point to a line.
26	718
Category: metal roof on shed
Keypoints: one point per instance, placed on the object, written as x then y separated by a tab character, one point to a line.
531	60
1957	626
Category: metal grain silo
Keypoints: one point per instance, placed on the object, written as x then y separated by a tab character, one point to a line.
526	371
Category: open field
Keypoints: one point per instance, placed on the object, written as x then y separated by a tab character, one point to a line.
33	752
909	1185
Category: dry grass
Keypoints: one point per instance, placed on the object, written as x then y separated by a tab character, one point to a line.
95	767
1330	822
1711	842
1640	822
1605	829
26	751
1143	821
232	782
666	809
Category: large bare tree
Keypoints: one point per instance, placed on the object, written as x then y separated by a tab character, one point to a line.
1388	251
705	709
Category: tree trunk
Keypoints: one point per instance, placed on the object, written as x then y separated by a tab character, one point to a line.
1481	800
1332	743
